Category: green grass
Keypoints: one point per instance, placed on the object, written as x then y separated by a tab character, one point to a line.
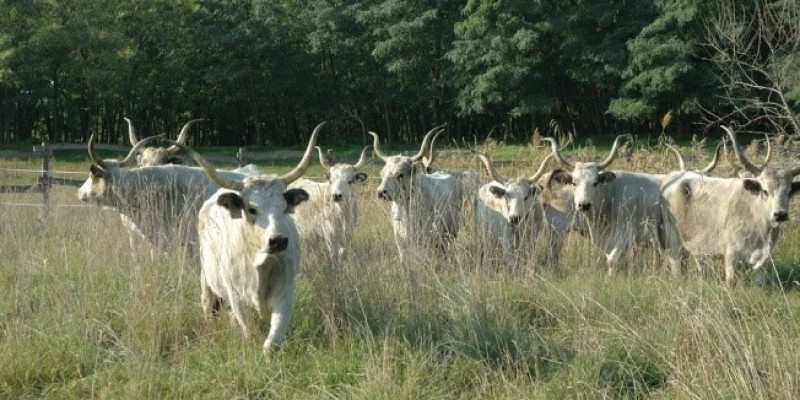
83	319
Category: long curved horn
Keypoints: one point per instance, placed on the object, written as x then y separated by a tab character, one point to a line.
538	174
131	132
376	146
322	160
209	169
183	136
294	174
678	156
769	150
747	164
714	161
93	154
493	173
557	152
431	157
614	150
425	143
363	159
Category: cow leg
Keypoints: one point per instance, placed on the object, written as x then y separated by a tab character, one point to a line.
208	300
238	311
730	263
282	309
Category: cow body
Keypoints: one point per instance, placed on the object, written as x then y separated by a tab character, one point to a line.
736	218
331	214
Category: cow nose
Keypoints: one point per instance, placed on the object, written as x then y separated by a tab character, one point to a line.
585	206
337	197
781	216
383	194
277	243
514	219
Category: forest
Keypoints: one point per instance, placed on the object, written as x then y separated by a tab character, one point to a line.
264	72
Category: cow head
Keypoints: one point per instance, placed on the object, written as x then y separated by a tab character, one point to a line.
585	177
518	194
151	156
397	174
101	175
263	203
773	186
341	175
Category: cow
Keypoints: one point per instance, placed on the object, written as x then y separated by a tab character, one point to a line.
158	203
507	211
331	214
425	208
250	251
736	218
151	156
620	208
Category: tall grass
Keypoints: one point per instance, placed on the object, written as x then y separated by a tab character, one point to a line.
83	318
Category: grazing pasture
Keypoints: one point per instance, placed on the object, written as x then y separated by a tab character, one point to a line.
82	317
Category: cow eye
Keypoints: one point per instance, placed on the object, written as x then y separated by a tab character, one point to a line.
527	196
252	210
400	176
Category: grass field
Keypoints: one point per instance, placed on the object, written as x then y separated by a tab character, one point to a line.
83	317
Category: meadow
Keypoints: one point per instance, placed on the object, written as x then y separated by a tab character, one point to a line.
85	317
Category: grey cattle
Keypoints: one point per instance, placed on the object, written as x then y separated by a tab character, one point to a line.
425	207
331	214
152	156
507	210
250	252
737	218
620	208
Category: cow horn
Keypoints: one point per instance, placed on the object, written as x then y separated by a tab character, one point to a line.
493	173
209	169
322	160
183	136
538	174
679	157
614	150
93	154
376	146
431	157
747	164
425	143
131	132
361	160
294	174
714	161
769	150
557	152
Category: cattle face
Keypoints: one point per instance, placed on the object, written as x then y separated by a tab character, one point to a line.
397	173
585	177
340	176
517	195
151	156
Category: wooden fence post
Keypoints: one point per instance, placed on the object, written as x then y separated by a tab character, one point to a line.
240	157
44	178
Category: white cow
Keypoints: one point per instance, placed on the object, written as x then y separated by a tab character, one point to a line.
152	156
620	208
737	218
250	246
331	214
425	208
507	211
160	203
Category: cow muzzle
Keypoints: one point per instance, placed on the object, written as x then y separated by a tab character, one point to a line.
384	194
337	197
781	216
514	220
584	207
277	244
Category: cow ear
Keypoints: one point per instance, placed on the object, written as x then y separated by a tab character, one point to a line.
294	197
231	202
559	176
497	191
96	171
751	185
360	177
795	188
605	177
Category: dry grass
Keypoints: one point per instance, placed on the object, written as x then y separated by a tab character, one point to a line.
83	318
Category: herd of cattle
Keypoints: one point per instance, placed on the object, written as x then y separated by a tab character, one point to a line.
246	225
